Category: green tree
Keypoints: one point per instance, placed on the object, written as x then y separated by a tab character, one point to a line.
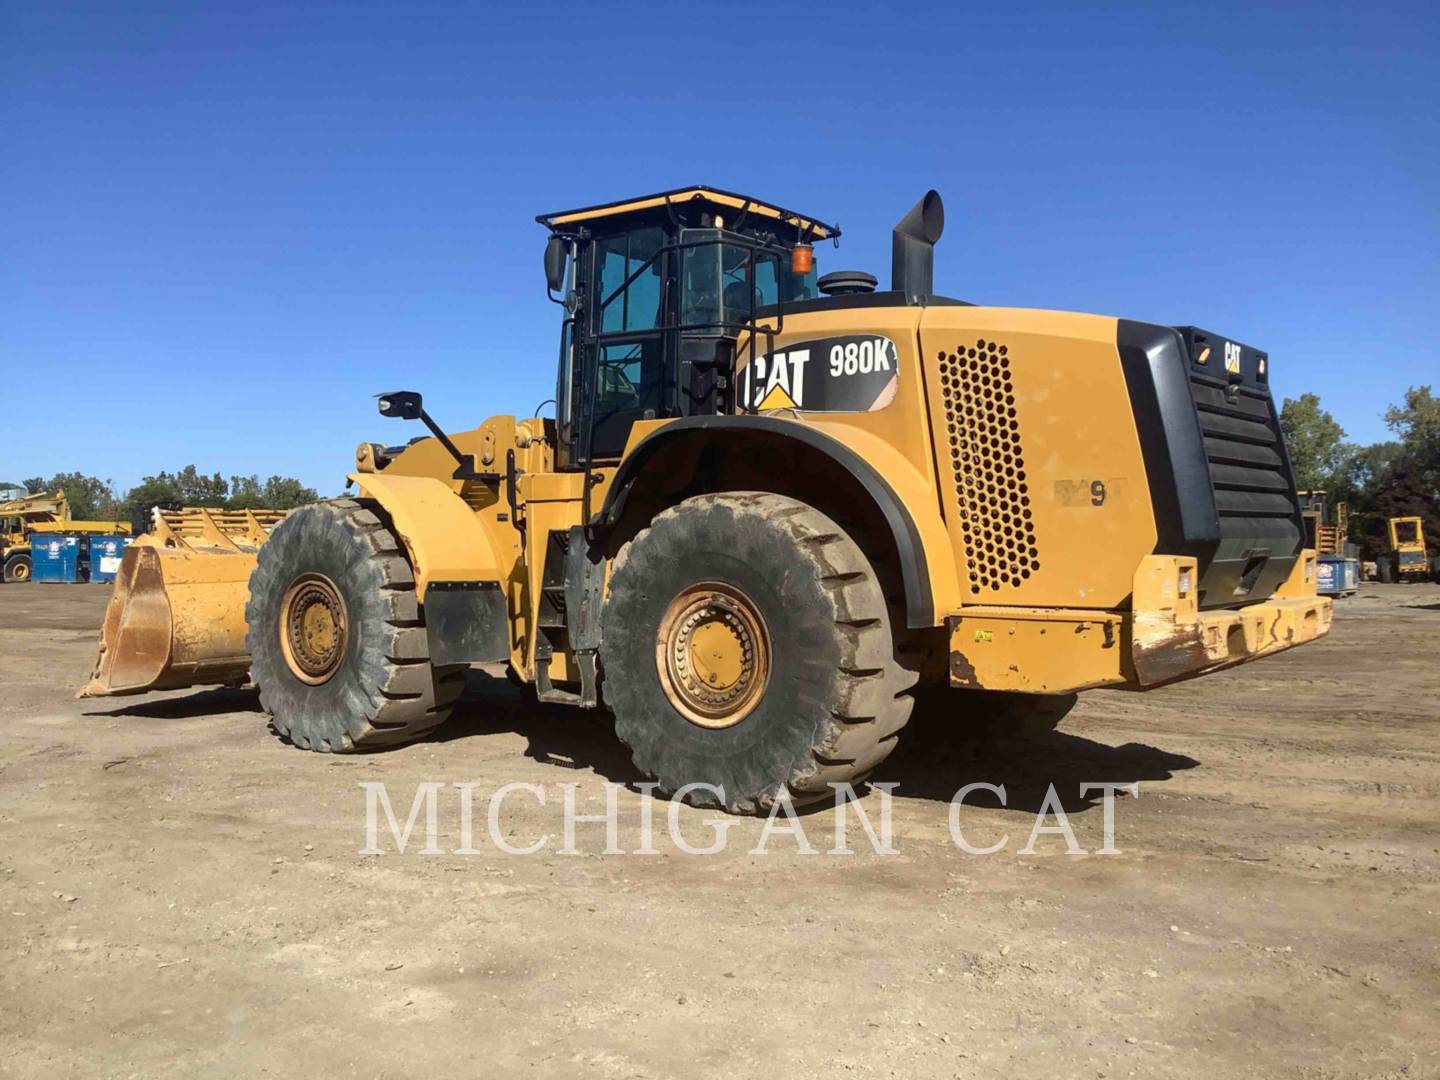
190	487
1316	442
91	499
157	490
1407	489
197	489
276	493
286	493
1417	422
246	493
1363	469
1410	485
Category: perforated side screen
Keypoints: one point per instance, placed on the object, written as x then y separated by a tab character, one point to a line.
991	495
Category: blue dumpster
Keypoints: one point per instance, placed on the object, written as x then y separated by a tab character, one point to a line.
105	555
55	557
1336	575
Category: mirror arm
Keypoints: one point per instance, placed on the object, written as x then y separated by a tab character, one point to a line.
465	463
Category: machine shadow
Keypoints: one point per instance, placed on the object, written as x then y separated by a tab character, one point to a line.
933	761
560	735
936	758
204	703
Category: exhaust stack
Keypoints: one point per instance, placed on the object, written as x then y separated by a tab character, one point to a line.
912	257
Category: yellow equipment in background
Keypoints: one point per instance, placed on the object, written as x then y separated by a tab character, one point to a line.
769	505
1407	559
22	518
1325	539
177	614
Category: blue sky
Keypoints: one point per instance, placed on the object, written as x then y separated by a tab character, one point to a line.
226	226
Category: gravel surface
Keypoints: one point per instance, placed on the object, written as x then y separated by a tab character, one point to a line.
181	893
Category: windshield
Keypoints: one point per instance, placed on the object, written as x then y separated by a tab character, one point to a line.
716	282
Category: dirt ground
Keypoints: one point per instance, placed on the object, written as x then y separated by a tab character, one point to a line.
181	893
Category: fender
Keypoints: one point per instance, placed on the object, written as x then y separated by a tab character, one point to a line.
457	574
915	572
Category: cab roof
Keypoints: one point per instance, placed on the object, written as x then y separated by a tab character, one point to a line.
722	200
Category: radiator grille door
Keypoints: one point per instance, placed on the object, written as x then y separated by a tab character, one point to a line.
1254	492
991	490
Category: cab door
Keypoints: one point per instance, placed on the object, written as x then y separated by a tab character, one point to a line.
621	368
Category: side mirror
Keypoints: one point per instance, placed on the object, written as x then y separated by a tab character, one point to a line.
556	251
405	404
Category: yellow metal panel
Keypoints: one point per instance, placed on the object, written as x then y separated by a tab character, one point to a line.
895	439
71	525
1164	637
560	487
912	486
1171	639
445	540
1035	650
1042	480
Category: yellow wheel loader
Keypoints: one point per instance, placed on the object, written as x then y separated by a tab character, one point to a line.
771	506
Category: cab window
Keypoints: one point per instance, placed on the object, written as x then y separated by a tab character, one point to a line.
772	282
636	306
629	378
715	283
715	287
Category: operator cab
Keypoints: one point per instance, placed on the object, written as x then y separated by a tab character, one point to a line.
657	293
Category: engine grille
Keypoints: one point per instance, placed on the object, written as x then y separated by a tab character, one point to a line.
1254	493
991	494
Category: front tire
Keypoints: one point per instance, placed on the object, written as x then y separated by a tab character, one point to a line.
17	569
747	645
337	640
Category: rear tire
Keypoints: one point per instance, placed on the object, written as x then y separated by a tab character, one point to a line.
17	569
337	640
829	696
1384	570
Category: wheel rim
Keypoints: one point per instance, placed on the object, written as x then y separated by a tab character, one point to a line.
20	572
314	628
713	655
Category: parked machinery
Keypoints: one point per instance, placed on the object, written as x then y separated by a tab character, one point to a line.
1408	559
767	507
42	515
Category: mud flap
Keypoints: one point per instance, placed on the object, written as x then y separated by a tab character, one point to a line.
466	622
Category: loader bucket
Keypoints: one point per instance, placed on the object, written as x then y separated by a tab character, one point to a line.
176	617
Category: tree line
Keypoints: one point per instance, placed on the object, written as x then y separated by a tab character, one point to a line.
94	499
1399	477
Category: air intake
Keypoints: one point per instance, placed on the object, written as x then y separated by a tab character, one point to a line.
846	283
